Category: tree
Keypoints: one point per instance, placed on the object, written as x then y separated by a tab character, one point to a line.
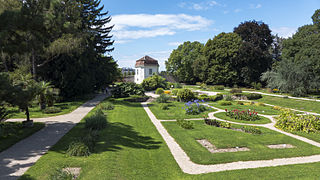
44	89
254	57
221	55
153	82
181	60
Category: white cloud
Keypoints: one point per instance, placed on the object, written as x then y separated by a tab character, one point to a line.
284	32
135	26
205	5
237	10
174	43
255	6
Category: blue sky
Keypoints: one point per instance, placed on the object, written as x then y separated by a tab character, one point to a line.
155	28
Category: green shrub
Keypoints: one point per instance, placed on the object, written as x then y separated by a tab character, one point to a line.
218	87
97	121
253	96
217	97
185	124
60	174
163	98
137	98
52	110
256	86
153	82
216	123
78	148
240	102
174	92
290	121
164	106
159	91
177	85
193	107
106	106
185	95
228	98
252	130
204	97
203	86
235	90
126	90
90	139
225	103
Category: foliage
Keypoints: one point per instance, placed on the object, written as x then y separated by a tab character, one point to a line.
235	90
185	124
106	106
259	104
78	148
217	97
163	98
159	91
193	107
252	130
248	115
185	95
164	106
218	87
52	110
225	103
127	89
256	86
181	60
253	96
175	92
97	121
204	97
153	82
60	174
137	98
290	121
228	98
216	123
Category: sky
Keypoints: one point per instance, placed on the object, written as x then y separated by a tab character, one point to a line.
156	27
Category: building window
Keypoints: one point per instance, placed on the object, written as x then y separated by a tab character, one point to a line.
137	71
150	71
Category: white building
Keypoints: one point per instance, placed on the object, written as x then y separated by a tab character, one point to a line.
145	67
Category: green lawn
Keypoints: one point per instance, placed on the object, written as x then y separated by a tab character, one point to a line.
36	112
175	111
227	138
13	132
303	105
131	148
267	110
262	120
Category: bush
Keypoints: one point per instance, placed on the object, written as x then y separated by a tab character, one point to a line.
235	90
137	98
240	102
164	106
218	87
126	90
204	97
175	92
253	96
52	110
228	98
259	104
90	139
78	148
106	106
256	86
248	115
203	86
217	97
185	95
159	91
163	98
225	103
217	123
290	121
193	107
185	124
97	121
153	82
252	130
61	174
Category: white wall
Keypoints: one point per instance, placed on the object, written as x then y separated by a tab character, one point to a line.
142	73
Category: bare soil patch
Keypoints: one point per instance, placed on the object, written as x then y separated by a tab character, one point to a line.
213	149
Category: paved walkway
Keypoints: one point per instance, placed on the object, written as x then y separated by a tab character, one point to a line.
16	160
190	167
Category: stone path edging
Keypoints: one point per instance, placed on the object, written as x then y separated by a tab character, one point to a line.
187	166
16	160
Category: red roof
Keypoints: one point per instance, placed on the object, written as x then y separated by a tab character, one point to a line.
146	60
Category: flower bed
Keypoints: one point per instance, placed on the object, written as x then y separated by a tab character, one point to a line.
247	115
193	107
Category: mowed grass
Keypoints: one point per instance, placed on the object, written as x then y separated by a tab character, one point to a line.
35	111
131	148
303	105
176	111
13	132
262	120
227	138
267	110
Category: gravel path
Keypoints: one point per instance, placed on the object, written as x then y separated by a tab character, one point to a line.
190	167
16	160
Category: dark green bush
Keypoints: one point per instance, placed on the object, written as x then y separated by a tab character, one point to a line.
78	148
91	139
253	96
185	124
204	97
127	89
203	86
97	121
159	91
106	106
218	87
252	130
174	92
225	103
52	110
217	97
256	86
216	123
228	98
154	82
164	106
177	85
235	90
137	98
163	98
185	95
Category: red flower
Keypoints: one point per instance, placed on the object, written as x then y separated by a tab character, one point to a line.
226	110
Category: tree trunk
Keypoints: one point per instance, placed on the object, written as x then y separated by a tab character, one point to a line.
33	59
28	114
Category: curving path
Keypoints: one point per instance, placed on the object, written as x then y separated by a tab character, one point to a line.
16	160
190	167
